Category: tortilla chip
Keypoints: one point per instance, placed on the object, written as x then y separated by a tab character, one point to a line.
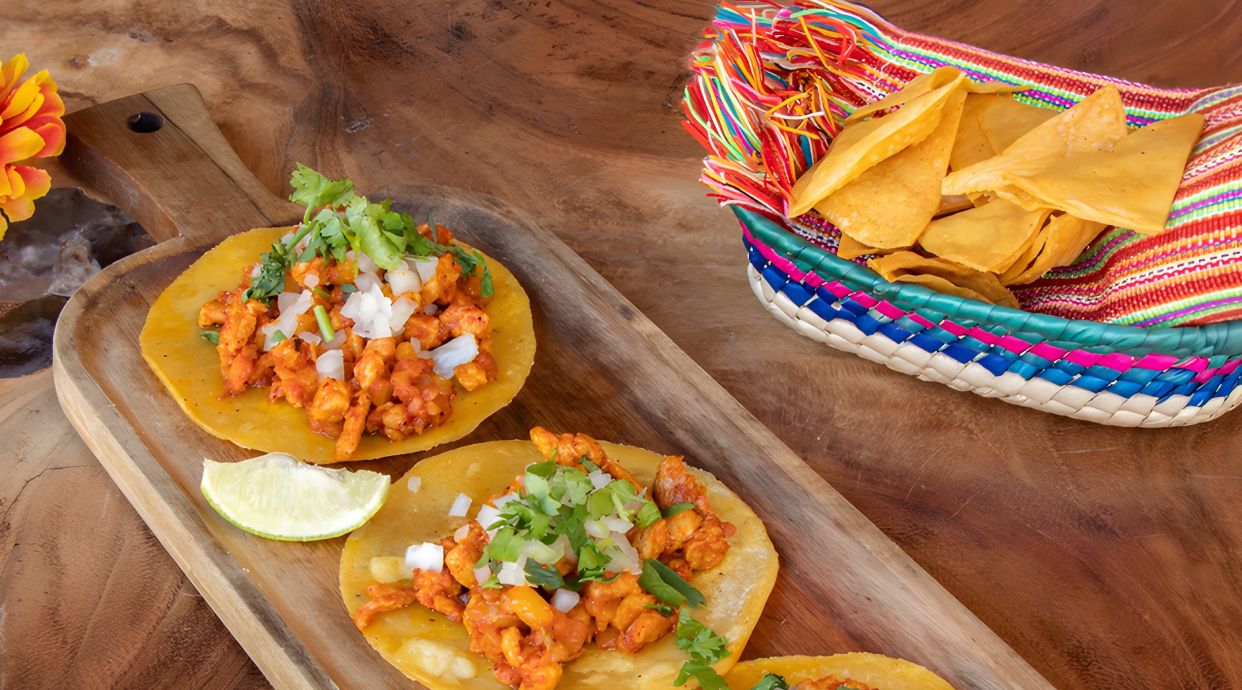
873	670
435	651
190	368
1005	120
889	205
922	84
862	145
1132	186
850	248
1094	124
953	204
971	145
944	276
1059	243
985	238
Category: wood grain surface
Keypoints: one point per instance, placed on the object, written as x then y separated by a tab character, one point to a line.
601	366
1104	556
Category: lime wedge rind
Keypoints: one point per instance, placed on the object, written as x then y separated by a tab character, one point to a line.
276	497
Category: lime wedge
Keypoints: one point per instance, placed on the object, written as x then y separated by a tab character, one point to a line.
276	497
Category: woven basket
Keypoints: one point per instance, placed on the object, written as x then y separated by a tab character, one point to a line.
1140	331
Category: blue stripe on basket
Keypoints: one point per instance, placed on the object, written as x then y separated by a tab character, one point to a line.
995	359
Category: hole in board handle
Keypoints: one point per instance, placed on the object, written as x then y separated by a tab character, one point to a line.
145	122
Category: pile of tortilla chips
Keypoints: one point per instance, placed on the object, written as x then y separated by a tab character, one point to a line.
967	191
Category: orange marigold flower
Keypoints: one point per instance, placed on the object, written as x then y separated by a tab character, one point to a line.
30	127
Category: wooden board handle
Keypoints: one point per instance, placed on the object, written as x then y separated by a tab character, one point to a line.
159	156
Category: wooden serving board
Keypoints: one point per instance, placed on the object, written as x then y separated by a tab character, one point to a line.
601	367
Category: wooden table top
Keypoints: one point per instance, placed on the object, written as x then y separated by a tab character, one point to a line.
1106	557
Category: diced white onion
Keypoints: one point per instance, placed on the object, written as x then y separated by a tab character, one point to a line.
564	600
540	552
312	338
290	306
596	529
462	532
482	573
461	505
311	280
616	524
402	310
365	264
414	484
365	281
431	309
623	556
331	365
425	556
256	270
599	479
512	574
371	312
403	279
500	502
456	352
338	340
487	517
426	268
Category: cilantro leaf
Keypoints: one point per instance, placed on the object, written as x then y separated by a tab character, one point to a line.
543	576
677	508
313	190
647	515
212	337
771	681
362	219
271	279
663	583
705	648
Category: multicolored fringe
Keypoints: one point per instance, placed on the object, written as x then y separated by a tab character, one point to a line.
774	81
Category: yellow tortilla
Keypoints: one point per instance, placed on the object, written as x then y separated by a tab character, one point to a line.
862	145
1059	243
190	368
1132	186
434	651
889	205
986	238
943	275
971	144
876	670
925	83
1094	124
1005	120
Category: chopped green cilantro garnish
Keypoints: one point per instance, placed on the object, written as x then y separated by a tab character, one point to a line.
662	609
771	681
543	576
663	583
212	337
278	337
705	648
677	508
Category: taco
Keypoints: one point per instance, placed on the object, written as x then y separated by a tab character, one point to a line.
356	334
599	566
854	671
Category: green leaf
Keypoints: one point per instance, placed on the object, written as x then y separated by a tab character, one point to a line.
313	190
212	337
504	546
677	508
705	648
652	581
647	515
543	576
349	288
271	279
486	287
371	240
693	597
771	681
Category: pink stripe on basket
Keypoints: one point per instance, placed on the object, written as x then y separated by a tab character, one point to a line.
953	328
1082	358
918	318
1049	352
1205	375
1015	345
1229	367
1118	361
1194	364
837	289
889	310
1156	362
864	299
983	336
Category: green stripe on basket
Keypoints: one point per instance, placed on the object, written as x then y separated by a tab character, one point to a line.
1204	341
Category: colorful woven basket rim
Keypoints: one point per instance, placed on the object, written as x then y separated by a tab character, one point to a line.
809	263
